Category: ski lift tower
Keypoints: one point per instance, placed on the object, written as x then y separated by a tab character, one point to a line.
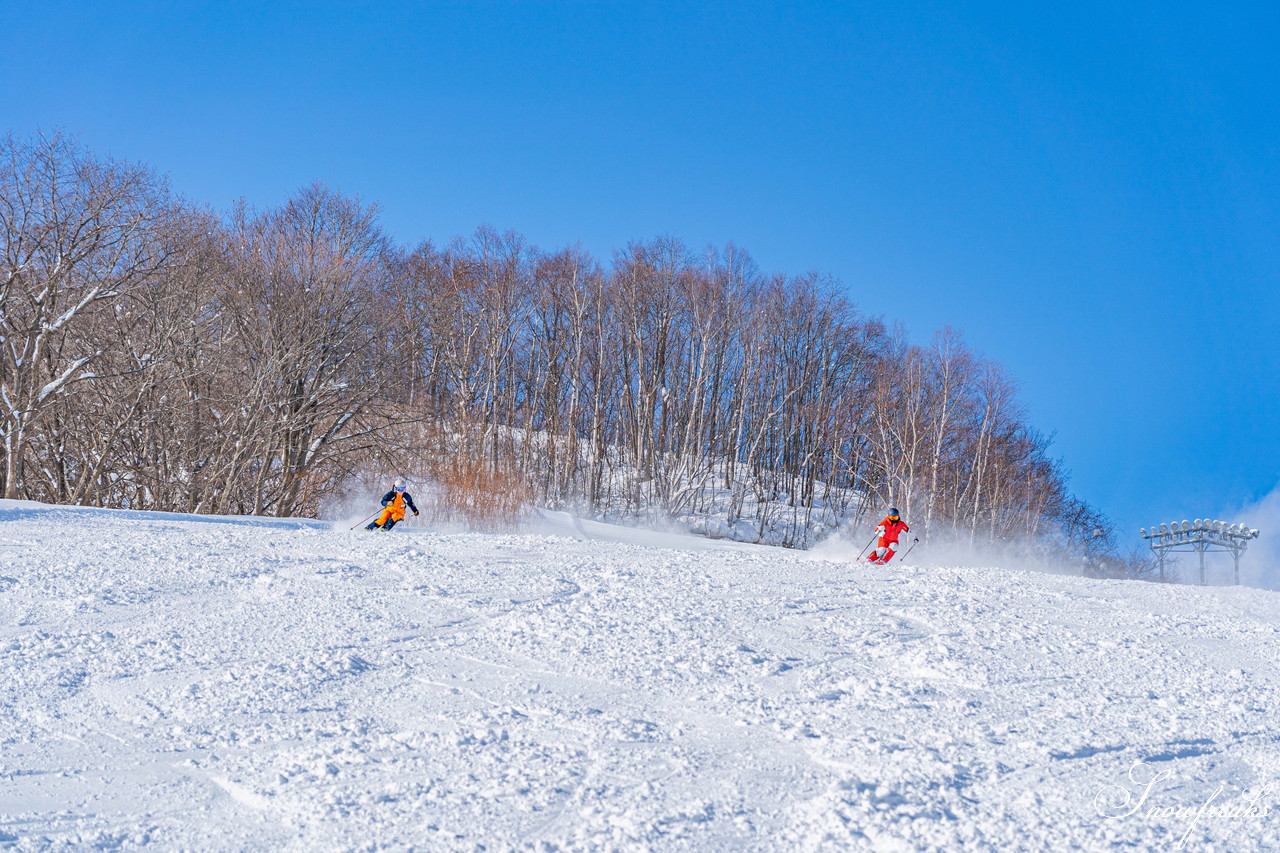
1200	535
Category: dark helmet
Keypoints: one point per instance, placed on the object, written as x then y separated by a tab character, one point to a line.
893	512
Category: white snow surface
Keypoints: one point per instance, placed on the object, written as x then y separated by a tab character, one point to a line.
192	683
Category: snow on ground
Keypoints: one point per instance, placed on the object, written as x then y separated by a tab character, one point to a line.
174	682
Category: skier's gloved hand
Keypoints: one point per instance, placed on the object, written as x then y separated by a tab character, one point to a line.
415	512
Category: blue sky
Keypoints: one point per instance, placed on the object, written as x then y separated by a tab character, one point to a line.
1090	193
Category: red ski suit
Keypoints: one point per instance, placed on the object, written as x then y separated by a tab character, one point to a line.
888	531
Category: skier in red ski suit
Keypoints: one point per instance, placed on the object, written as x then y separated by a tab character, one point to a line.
889	530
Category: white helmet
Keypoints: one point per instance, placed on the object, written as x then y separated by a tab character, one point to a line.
398	484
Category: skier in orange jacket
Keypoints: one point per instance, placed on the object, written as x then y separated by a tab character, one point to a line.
889	530
393	505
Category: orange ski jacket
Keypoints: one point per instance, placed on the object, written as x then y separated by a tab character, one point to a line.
395	501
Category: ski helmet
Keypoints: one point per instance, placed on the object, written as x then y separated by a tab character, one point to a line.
893	511
398	484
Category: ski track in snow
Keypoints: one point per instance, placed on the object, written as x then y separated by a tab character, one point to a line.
242	684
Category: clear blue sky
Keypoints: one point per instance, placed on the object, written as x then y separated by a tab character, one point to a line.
1091	192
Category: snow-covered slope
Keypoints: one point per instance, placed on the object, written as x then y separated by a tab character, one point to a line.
238	684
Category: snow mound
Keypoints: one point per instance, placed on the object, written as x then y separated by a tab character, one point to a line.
179	682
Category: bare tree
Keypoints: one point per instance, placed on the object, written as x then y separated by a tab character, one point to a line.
77	233
308	322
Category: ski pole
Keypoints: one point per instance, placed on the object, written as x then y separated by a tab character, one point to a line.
358	523
914	543
865	547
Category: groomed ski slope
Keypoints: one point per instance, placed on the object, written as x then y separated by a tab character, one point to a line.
174	682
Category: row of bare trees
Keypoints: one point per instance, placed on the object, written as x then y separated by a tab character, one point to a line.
156	355
688	384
